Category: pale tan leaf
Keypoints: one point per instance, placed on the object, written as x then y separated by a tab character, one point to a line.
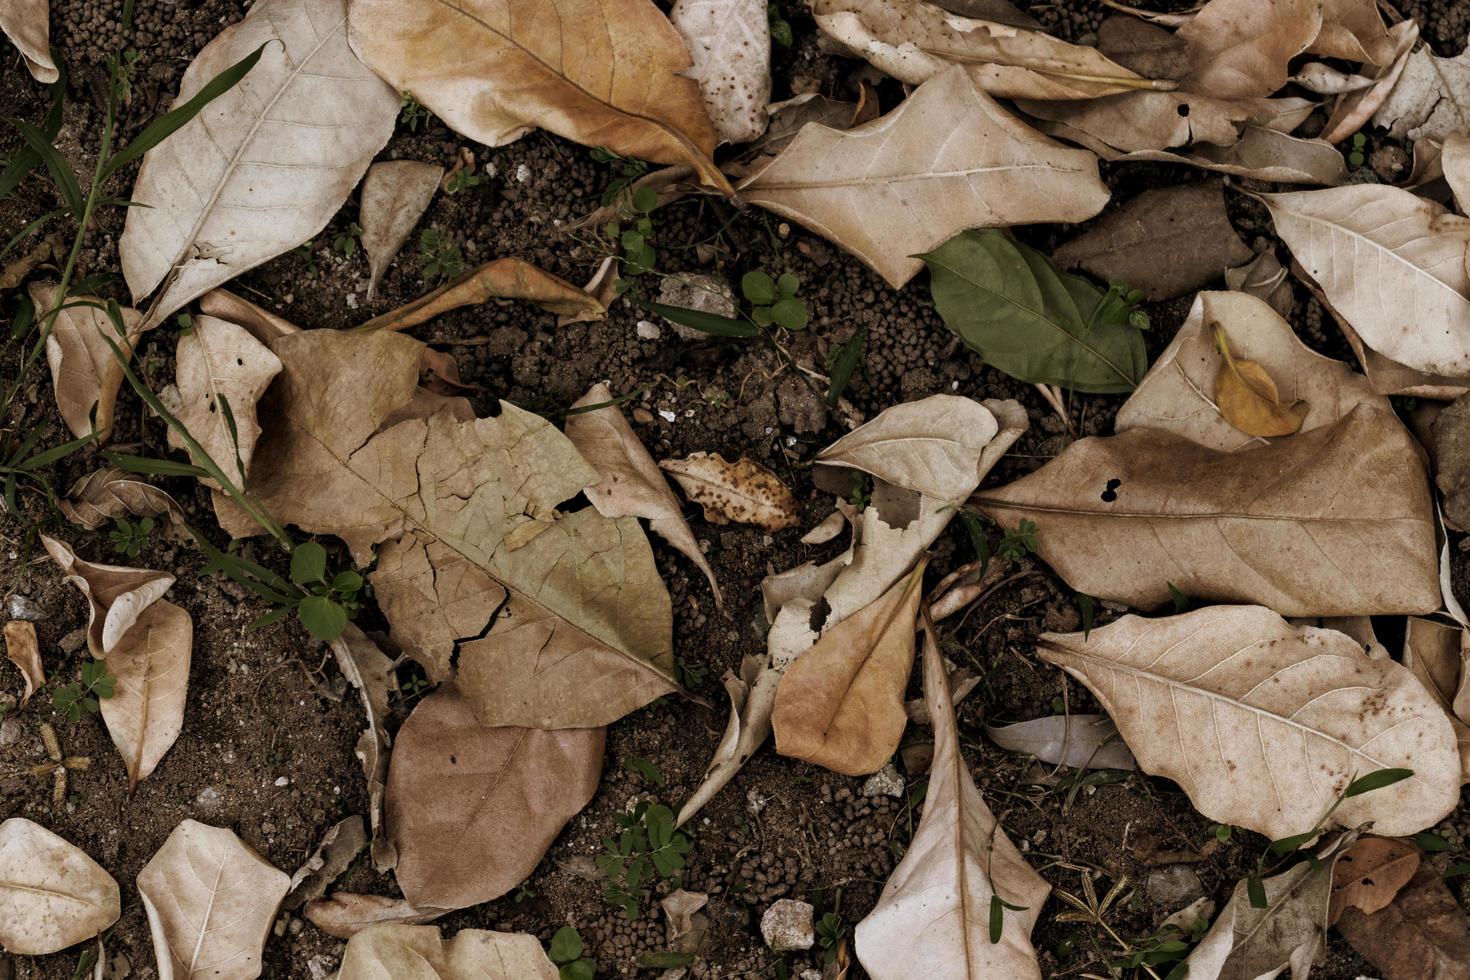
262	324
151	664
1079	741
1455	159
109	493
603	287
84	370
346	914
394	196
264	166
220	364
339	848
597	72
1326	80
24	650
909	180
932	446
743	491
210	900
1260	154
631	483
1332	522
1241	48
1264	278
456	786
1352	111
116	595
509	278
1436	653
370	671
1141	121
1265	724
52	895
937	902
1370	874
730	42
1431	99
1354	31
28	25
432	597
404	952
1150	50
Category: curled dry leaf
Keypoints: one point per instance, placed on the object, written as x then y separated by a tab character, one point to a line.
503	793
933	446
263	325
743	491
1079	741
1431	99
597	73
1259	153
24	650
1264	278
85	372
340	846
1240	48
109	493
228	192
959	863
395	194
1354	31
1370	874
730	43
210	900
1451	448
151	664
346	914
1422	933
1228	697
221	373
1122	517
1436	653
907	181
509	278
28	25
52	895
1140	121
116	595
1354	109
370	671
1455	161
406	952
1248	398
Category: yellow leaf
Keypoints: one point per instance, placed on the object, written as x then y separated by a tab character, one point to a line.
1248	399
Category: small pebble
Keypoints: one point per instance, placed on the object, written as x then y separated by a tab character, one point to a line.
19	607
283	781
648	330
884	782
787	926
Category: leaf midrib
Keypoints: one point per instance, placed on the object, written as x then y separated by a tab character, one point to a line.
1002	503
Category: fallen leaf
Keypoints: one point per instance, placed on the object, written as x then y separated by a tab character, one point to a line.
227	192
1259	153
406	952
1455	162
52	895
743	491
221	373
904	184
1240	48
109	493
85	373
1165	242
503	793
346	914
831	526
684	927
1247	396
730	44
1008	303
1078	741
1145	48
1451	431
370	671
1354	31
24	650
1228	697
1125	517
1423	933
595	72
1137	121
510	278
151	664
116	595
1264	278
340	846
395	194
28	25
262	324
432	597
958	869
1436	653
1431	99
840	705
1353	110
1326	80
1370	874
603	287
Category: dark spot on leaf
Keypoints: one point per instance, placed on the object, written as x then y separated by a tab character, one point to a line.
1110	492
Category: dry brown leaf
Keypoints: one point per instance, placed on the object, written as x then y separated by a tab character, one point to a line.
940	895
84	370
370	671
631	483
686	924
730	43
262	324
1138	121
151	664
1354	31
432	597
1079	741
1353	110
1436	653
1423	932
340	846
1455	162
265	165
109	493
394	196
346	914
210	900
909	181
52	895
1240	48
456	786
1431	99
603	287
1370	874
743	491
221	373
1230	697
509	278
1264	278
405	952
597	72
116	595
1248	398
28	25
1450	442
1142	47
1260	154
1122	517
24	650
840	705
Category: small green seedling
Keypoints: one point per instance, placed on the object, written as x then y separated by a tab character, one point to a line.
462	180
525	892
566	952
781	33
128	537
643	769
328	603
844	361
690	676
414	685
1019	543
439	257
628	168
1222	832
635	240
345	242
411	113
830	929
74	700
646	847
774	301
1356	155
306	254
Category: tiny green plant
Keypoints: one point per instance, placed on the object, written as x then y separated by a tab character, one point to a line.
629	170
462	180
1088	608
691	676
329	602
844	361
74	700
1222	832
1356	154
979	540
781	33
830	929
647	847
414	685
861	490
439	257
411	113
634	236
774	301
307	254
524	893
643	769
345	242
128	537
566	951
1019	543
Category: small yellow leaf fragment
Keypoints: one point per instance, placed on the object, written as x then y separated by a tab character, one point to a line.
1248	399
743	491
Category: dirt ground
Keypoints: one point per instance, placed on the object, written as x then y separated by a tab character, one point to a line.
267	745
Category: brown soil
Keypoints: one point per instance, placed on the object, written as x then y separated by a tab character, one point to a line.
267	746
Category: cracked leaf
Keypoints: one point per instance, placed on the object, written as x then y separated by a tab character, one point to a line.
84	370
221	373
1431	98
52	895
395	194
743	491
109	493
1371	874
432	597
420	953
151	664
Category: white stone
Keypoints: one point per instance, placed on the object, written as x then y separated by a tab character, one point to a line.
884	782
649	330
787	926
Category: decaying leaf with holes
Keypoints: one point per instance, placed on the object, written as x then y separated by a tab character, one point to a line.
743	491
1370	874
52	895
731	46
85	373
116	596
421	953
508	278
151	663
109	493
395	194
24	650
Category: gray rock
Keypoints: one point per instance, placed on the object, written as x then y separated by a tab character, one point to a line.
884	782
787	926
799	407
697	291
19	607
72	642
10	731
1172	887
208	801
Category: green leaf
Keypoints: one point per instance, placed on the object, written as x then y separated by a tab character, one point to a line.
1180	600
308	563
1287	845
347	582
153	467
710	323
787	285
781	33
645	199
997	919
1256	890
323	618
578	970
1431	843
25	161
665	960
269	618
846	363
56	165
1036	324
566	945
1089	608
1375	780
790	313
758	287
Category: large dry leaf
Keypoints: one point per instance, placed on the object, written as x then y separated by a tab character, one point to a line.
585	635
109	493
1264	724
346	914
28	25
403	952
394	196
730	42
509	278
221	373
1371	874
1422	934
432	597
1240	48
1431	98
910	180
369	670
938	901
932	446
456	786
116	596
1332	522
1391	263
52	895
1137	121
85	372
598	72
631	483
1354	31
210	900
1079	741
1437	653
1179	392
1260	154
264	166
840	704
24	650
151	664
1353	110
743	491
